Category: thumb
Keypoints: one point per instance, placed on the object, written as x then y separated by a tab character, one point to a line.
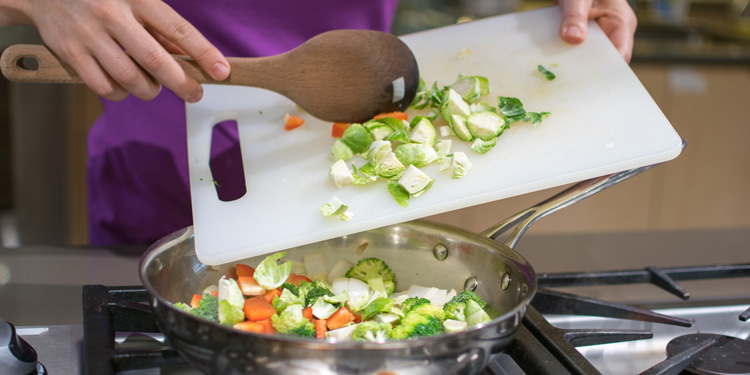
575	15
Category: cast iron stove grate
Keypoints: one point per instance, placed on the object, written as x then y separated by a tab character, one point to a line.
537	347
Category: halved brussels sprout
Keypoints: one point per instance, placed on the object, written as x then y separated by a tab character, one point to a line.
340	151
458	125
416	154
485	125
461	165
481	147
415	182
422	131
357	138
340	174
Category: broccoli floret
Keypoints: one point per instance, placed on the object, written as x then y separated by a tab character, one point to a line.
372	331
430	310
413	302
390	287
469	295
291	322
292	288
208	308
416	325
369	268
310	292
455	310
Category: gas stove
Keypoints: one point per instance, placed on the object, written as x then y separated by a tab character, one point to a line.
560	333
578	323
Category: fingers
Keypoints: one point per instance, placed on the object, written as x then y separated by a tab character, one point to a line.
574	25
93	74
154	59
174	28
618	21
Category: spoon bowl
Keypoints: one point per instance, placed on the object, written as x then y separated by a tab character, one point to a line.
339	76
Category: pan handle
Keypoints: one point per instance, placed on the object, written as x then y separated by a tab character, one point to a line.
524	219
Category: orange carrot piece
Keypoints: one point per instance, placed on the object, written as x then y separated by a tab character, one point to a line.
272	293
292	122
337	131
244	270
268	326
196	300
307	313
257	308
215	293
320	328
340	318
250	326
397	115
296	279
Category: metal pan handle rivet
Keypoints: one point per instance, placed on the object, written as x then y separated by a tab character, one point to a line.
440	252
505	281
471	284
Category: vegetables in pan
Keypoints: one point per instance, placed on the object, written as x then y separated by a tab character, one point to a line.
356	305
398	151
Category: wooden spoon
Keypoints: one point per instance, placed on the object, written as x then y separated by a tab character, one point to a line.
339	76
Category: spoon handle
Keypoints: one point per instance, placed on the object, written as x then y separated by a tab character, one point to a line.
29	63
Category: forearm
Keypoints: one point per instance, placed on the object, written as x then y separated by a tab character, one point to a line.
15	12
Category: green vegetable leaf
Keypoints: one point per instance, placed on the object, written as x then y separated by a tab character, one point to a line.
512	108
399	193
547	74
377	306
362	175
229	314
535	118
271	275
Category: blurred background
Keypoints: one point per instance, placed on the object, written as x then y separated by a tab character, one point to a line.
693	56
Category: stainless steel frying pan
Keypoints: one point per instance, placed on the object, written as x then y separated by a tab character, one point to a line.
419	252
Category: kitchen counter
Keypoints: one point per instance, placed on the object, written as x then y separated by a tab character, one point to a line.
42	285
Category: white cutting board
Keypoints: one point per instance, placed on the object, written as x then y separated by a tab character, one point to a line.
602	121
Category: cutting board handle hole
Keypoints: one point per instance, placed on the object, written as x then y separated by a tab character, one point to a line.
227	169
27	63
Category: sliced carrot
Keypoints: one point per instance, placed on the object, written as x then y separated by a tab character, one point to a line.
320	328
358	318
250	326
257	308
307	313
397	114
249	286
196	300
215	293
296	279
337	131
268	326
245	270
272	293
292	122
340	318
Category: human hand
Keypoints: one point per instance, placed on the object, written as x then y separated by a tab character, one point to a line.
114	45
615	17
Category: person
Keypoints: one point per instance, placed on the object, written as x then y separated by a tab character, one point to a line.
137	168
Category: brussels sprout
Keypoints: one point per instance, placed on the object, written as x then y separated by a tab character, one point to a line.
340	151
445	162
422	97
384	160
398	193
471	88
481	147
340	174
482	107
334	207
415	182
445	131
422	131
379	130
416	154
485	125
511	108
535	118
458	125
454	105
443	147
461	165
357	138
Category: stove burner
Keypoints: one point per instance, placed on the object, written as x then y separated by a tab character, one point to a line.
730	355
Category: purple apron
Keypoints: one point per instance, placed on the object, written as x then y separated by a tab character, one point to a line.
137	168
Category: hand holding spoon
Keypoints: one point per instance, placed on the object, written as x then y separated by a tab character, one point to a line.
339	76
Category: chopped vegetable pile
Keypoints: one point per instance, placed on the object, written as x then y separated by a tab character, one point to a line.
349	302
394	148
